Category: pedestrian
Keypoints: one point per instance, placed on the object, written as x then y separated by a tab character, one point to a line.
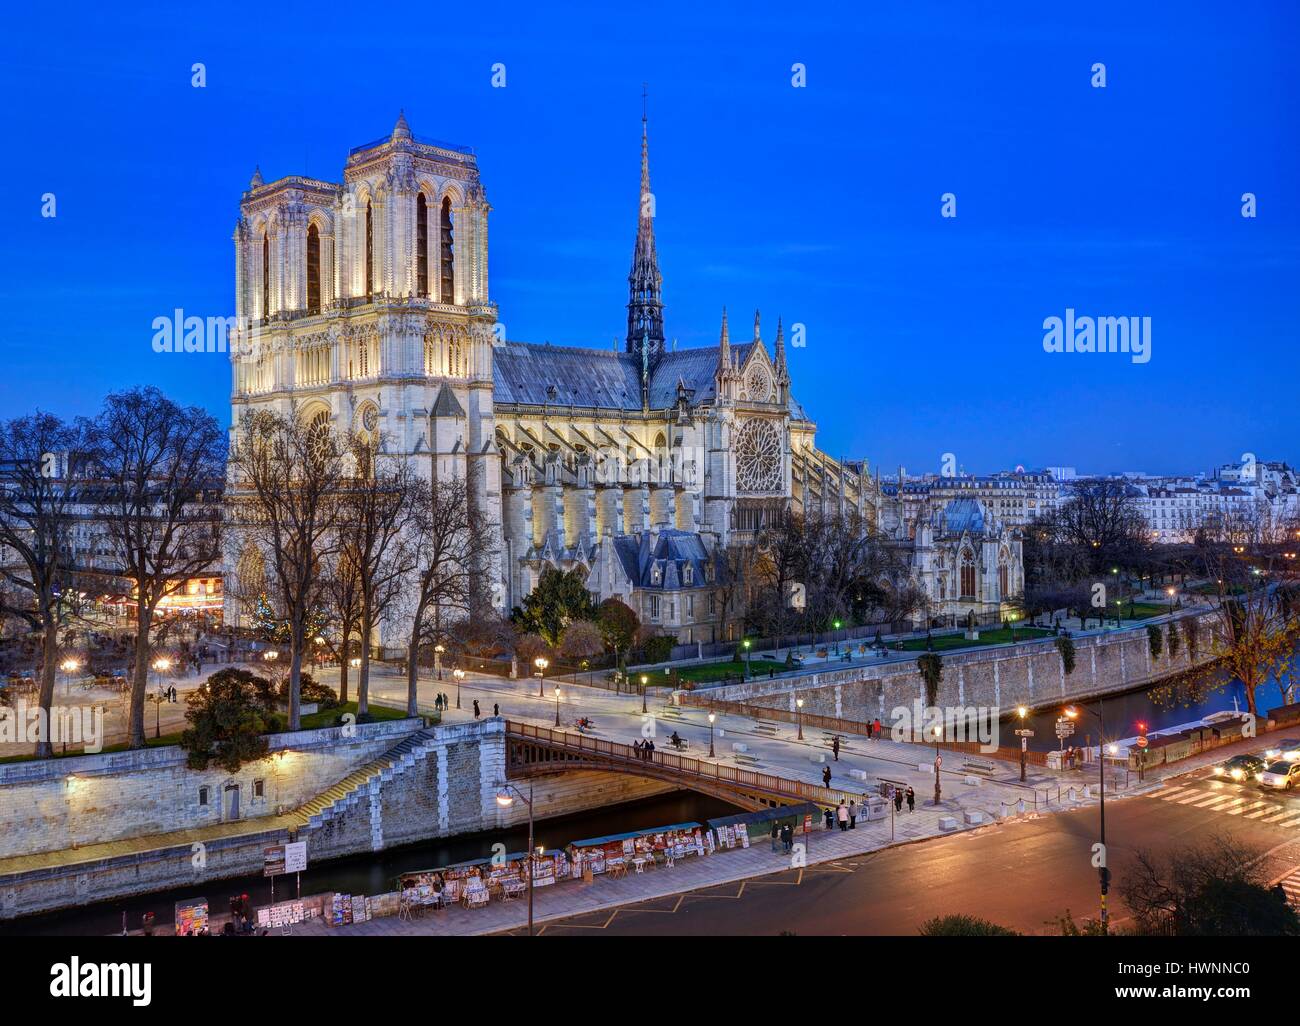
911	800
476	711
496	709
842	814
876	728
778	833
853	814
437	704
787	838
898	800
826	776
835	749
830	819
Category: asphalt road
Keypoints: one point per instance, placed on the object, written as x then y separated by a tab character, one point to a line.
1024	875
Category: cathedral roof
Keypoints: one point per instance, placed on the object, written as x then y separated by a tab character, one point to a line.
447	405
670	552
529	374
963	515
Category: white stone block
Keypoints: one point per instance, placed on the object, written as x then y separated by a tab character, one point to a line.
971	816
739	746
925	767
947	823
972	780
858	774
817	757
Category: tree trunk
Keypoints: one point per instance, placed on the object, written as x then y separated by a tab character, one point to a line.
412	669
295	679
50	653
363	674
343	668
139	676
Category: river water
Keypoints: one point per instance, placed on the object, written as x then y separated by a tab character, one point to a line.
377	872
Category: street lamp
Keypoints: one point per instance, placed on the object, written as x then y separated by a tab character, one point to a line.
798	704
712	716
938	761
69	667
1170	593
557	706
745	645
837	637
644	681
1073	713
459	674
160	665
505	800
541	662
438	650
1022	712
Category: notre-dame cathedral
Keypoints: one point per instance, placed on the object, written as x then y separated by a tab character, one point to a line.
364	306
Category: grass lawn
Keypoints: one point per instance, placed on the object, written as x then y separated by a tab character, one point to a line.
329	717
716	671
1144	610
995	636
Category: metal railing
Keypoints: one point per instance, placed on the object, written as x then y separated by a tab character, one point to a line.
681	765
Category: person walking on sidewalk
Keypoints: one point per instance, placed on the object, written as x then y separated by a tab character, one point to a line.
911	800
496	709
876	728
826	776
476	710
853	814
842	814
787	838
778	832
835	748
830	819
898	800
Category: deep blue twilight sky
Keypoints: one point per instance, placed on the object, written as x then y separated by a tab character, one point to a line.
820	204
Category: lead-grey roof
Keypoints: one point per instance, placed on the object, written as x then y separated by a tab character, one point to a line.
537	375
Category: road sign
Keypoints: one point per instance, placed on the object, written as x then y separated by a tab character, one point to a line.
273	860
1064	727
1142	741
938	760
807	824
1024	733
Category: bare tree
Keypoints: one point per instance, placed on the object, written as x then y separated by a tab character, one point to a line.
378	514
285	477
343	594
159	469
42	462
453	547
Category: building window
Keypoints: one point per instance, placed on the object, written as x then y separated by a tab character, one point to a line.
713	604
690	607
313	269
259	788
688	573
448	293
967	576
203	797
370	250
1002	580
421	246
654	607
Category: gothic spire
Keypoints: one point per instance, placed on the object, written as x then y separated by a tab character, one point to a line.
782	370
401	130
724	343
645	316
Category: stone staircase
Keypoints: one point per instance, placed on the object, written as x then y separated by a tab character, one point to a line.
362	785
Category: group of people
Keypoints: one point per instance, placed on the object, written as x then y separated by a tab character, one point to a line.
900	796
645	750
784	834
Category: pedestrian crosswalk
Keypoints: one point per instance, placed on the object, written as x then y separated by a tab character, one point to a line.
1248	804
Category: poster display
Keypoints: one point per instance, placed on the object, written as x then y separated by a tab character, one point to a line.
191	917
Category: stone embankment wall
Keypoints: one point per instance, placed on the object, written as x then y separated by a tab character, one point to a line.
1031	674
97	827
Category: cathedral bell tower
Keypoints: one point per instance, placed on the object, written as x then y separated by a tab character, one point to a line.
645	308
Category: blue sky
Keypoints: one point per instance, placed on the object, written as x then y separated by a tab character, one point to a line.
820	204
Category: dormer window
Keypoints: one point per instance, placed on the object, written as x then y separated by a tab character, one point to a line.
688	574
656	575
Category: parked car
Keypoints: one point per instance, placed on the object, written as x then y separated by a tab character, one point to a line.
1288	749
1281	775
1241	767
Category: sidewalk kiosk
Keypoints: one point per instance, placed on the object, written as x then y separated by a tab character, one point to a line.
614	853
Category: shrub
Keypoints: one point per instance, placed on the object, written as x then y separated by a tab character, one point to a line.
228	716
964	926
658	649
310	690
1156	640
1065	645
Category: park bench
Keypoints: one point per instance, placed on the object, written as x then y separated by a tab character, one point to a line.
978	766
681	745
763	727
745	759
888	787
670	712
828	739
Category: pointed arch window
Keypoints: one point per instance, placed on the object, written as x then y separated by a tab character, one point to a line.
266	275
370	250
421	245
967	575
445	256
1002	581
313	268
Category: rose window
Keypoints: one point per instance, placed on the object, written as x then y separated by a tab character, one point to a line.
757	389
758	457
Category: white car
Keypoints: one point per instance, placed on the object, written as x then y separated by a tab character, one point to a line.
1288	748
1280	775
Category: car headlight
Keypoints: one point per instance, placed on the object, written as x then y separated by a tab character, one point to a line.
1237	774
1218	771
